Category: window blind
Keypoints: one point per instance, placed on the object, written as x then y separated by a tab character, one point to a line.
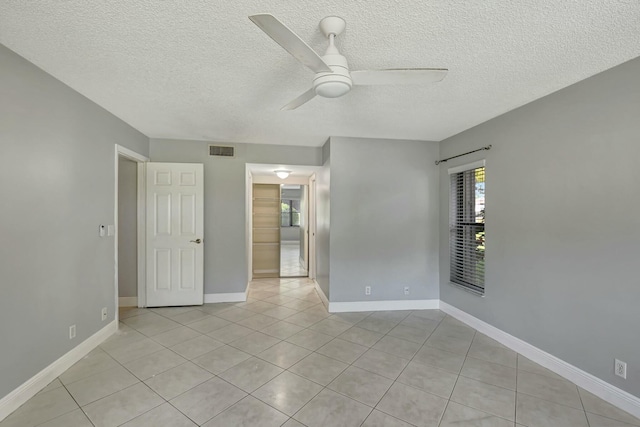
466	228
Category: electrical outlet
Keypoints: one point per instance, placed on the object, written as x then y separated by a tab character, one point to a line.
104	313
367	290
406	290
621	369
72	332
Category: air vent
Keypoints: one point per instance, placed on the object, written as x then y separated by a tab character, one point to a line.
221	150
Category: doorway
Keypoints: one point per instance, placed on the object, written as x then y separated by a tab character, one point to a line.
294	239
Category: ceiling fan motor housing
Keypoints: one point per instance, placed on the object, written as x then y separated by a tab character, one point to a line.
336	83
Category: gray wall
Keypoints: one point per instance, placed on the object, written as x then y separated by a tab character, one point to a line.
225	252
57	182
384	219
562	223
323	221
127	228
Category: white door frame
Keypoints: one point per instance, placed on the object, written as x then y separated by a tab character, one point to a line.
121	151
311	229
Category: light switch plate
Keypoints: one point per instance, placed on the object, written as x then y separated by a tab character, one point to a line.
111	230
102	231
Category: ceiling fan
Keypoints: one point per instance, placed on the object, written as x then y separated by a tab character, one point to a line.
333	78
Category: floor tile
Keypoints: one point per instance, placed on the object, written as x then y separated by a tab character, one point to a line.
122	337
280	312
87	366
330	327
527	365
318	368
380	419
595	405
395	316
230	333
209	325
332	409
236	314
440	359
258	321
171	312
41	408
397	347
304	319
534	412
412	405
120	407
409	333
381	363
493	354
175	336
288	392
282	330
284	354
164	415
425	324
429	379
374	324
190	317
136	350
557	391
361	336
154	364
207	400
298	304
75	418
196	347
249	412
457	415
490	373
259	306
251	374
254	343
342	350
126	312
218	307
599	421
176	381
363	386
51	386
221	359
100	385
485	397
309	339
443	341
151	324
436	315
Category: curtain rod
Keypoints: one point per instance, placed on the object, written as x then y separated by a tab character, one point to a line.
488	147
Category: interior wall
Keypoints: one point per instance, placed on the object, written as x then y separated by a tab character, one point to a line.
225	242
561	227
57	180
384	219
127	228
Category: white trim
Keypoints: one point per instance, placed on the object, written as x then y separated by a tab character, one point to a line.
121	151
323	297
228	297
466	167
592	384
424	304
142	234
128	302
32	386
259	179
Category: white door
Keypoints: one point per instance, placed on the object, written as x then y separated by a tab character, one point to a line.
175	231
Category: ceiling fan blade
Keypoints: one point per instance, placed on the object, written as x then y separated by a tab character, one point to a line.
305	97
290	41
398	76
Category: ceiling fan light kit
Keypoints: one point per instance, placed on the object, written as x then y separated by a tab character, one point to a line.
282	174
333	78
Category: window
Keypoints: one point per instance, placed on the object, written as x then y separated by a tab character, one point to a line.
290	213
466	226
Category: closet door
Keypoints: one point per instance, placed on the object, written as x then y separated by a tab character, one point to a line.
266	230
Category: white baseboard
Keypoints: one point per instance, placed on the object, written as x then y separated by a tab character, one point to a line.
592	384
323	297
32	386
228	297
128	302
424	304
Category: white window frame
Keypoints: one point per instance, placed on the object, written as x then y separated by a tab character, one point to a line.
451	171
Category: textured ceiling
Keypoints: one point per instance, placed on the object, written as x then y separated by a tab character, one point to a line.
199	69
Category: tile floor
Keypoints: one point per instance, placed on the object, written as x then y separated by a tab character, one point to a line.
280	359
290	260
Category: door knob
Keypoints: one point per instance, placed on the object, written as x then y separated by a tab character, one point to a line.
198	241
